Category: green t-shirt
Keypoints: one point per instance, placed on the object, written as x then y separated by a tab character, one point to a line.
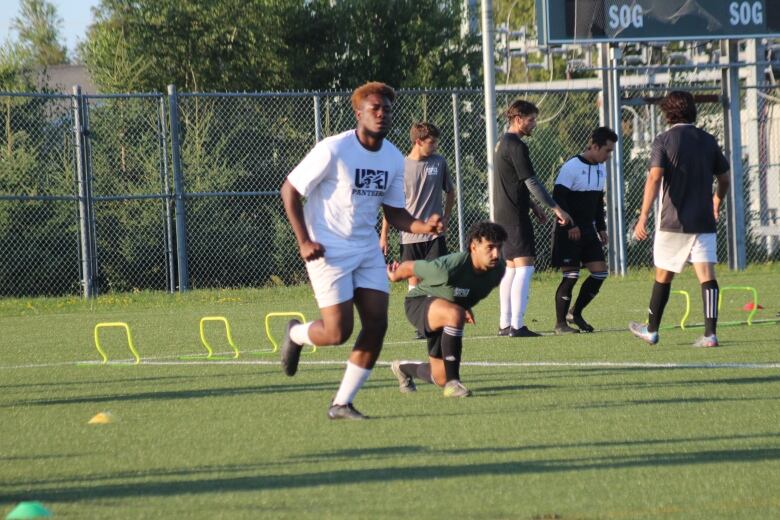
452	278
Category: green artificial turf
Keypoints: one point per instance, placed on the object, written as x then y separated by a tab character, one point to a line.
576	427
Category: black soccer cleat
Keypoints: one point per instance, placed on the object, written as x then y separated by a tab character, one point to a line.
523	332
505	331
291	351
562	328
579	322
417	335
345	411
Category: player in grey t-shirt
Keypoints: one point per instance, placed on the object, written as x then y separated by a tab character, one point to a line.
426	177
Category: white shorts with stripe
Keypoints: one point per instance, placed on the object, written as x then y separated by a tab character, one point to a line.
335	278
672	250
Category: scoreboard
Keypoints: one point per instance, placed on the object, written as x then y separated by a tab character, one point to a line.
593	21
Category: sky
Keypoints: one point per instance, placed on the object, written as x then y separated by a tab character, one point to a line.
76	15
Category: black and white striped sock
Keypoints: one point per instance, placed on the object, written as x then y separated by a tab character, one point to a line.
709	298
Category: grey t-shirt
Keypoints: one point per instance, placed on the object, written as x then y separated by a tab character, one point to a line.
423	183
690	158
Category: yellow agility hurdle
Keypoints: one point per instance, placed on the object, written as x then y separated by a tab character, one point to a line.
119	324
209	350
268	329
739	288
687	306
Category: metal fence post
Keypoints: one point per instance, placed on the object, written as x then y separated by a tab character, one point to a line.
317	118
84	203
735	209
167	193
178	188
458	187
617	171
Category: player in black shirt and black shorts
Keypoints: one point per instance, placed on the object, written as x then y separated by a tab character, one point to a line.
684	160
515	181
579	190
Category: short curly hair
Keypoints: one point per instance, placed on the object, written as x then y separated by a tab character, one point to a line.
370	88
423	131
522	108
488	231
679	107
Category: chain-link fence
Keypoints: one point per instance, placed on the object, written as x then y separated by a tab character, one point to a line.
132	192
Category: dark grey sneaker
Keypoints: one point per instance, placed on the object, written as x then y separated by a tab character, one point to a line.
345	411
291	351
562	328
579	322
523	332
405	383
505	331
417	335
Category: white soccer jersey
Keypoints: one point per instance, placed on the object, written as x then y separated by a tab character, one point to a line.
344	185
578	175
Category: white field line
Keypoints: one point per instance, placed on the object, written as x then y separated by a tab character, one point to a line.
487	364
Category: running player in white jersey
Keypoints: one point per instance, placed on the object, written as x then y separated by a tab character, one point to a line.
346	178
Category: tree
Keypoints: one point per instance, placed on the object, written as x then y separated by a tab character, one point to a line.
278	44
39	32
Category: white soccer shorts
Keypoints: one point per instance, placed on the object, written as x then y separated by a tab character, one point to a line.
672	250
335	278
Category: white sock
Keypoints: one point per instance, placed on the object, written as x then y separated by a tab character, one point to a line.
354	377
411	286
504	292
300	333
521	289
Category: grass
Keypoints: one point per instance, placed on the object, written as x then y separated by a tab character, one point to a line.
578	427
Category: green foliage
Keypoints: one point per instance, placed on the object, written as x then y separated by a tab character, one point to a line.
38	26
277	45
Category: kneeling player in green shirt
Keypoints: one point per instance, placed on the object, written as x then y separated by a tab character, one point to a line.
441	304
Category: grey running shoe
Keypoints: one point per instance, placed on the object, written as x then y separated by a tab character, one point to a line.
405	383
640	331
291	351
455	388
706	341
505	331
523	332
562	328
345	411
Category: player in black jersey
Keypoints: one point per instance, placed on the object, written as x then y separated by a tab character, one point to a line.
579	189
515	181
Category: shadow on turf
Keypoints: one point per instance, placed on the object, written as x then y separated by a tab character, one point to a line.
151	486
178	394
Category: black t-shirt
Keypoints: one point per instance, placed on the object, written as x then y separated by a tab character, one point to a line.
513	166
690	158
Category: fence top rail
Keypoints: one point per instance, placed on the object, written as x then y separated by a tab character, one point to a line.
156	95
36	95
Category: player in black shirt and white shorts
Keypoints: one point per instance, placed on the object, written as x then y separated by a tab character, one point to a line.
683	161
515	181
579	190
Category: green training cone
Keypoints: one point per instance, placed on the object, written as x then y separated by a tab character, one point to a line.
28	510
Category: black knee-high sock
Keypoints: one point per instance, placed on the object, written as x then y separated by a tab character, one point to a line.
590	288
658	300
421	371
451	349
563	295
709	297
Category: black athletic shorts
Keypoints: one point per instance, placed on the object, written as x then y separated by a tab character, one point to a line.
568	253
430	250
417	313
520	240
